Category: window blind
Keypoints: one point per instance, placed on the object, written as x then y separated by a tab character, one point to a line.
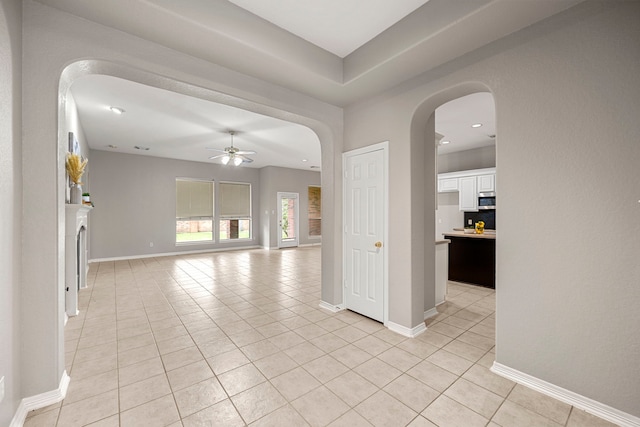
194	199
235	200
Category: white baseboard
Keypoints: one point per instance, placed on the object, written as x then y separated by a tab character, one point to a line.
430	313
40	401
407	332
581	402
310	244
164	254
332	308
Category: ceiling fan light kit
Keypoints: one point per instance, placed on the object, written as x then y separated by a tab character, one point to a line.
232	154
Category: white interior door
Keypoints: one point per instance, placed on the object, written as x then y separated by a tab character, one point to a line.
287	220
365	223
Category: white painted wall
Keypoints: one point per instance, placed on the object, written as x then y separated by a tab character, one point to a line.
567	97
10	206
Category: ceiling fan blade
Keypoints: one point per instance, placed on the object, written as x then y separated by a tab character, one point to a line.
246	152
215	149
216	157
245	159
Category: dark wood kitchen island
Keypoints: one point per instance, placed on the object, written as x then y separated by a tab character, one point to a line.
472	258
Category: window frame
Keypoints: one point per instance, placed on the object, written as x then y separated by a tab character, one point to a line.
196	218
220	218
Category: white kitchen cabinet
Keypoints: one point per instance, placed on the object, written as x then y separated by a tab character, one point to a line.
468	193
447	185
468	183
486	183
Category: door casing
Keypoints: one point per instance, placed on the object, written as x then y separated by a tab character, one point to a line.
282	195
384	146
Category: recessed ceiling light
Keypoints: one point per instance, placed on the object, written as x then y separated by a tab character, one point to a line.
476	125
305	160
445	142
137	147
117	110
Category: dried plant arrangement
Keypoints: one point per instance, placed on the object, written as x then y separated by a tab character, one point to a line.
75	167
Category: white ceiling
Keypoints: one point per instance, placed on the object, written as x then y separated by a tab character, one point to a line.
177	126
454	120
228	35
338	26
294	35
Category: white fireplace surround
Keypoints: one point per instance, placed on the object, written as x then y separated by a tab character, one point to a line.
76	259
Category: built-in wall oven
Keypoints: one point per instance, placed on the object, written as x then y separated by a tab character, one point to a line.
486	212
486	201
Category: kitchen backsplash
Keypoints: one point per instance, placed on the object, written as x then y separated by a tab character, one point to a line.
489	218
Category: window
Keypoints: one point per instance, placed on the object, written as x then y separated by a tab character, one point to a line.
315	211
235	211
194	210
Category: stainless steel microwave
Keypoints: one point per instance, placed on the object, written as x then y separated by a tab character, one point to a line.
486	201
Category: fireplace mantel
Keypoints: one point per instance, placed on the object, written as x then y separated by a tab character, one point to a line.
76	260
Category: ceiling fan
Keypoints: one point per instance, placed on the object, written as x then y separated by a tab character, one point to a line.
232	154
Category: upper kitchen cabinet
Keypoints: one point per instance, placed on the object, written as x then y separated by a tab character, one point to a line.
487	183
447	185
468	183
468	194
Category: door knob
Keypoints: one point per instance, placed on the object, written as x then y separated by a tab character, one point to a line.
378	245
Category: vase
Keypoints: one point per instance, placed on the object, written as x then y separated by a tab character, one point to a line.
76	194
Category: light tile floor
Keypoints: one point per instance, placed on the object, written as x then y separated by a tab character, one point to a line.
238	338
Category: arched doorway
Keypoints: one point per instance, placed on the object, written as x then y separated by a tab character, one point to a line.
325	134
424	131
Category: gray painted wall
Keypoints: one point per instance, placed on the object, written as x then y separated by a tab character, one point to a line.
10	205
567	96
55	51
478	158
73	124
567	299
135	203
448	214
273	180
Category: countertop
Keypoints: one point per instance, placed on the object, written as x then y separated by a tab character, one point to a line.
488	234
